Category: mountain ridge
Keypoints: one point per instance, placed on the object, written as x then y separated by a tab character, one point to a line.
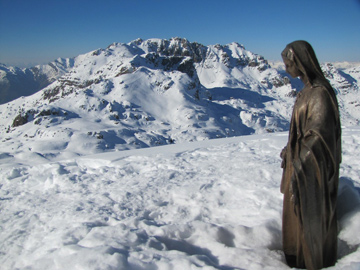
154	92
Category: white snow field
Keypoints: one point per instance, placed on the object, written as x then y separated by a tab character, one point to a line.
213	204
84	183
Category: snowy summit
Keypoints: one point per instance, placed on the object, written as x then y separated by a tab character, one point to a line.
84	187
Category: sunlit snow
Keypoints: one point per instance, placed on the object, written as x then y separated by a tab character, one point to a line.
205	205
129	162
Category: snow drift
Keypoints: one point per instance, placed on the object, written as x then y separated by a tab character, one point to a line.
83	187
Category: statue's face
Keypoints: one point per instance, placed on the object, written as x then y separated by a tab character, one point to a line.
291	68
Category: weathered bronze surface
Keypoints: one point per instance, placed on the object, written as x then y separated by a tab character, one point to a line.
310	165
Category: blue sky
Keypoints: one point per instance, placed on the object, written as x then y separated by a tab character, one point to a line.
38	31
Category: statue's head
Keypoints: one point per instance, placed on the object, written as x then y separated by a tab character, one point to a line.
300	60
291	66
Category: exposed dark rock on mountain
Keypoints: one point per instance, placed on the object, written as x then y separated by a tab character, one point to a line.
152	92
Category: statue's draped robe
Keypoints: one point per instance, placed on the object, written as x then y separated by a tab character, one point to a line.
311	175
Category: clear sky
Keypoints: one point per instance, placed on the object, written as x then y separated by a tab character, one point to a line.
39	31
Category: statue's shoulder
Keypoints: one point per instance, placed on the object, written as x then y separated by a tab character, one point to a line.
310	93
320	98
317	91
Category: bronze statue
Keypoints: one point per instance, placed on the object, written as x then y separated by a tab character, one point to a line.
310	165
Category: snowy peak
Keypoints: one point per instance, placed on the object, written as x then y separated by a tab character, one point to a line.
56	68
155	92
151	92
178	47
174	54
235	55
197	61
231	55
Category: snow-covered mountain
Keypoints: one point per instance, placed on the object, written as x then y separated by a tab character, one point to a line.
209	204
154	92
16	82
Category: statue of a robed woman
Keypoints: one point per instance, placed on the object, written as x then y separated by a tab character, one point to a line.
310	165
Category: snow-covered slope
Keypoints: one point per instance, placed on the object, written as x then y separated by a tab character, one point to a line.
71	197
149	93
155	92
346	85
16	82
214	204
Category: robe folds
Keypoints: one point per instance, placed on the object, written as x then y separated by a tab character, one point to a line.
310	179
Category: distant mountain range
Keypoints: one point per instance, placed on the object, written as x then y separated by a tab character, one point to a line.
16	82
153	92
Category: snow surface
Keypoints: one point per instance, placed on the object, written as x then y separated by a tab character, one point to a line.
80	190
157	92
214	204
136	95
